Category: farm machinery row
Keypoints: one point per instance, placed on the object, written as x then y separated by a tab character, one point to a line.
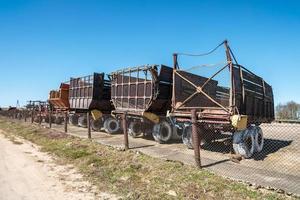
158	100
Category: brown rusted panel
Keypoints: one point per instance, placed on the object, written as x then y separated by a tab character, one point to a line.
60	99
142	89
90	92
258	103
183	90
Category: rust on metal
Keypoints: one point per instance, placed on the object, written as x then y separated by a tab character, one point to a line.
88	124
196	139
248	94
59	99
124	122
65	121
142	89
90	92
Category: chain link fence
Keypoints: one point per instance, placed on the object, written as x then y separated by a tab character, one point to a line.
266	156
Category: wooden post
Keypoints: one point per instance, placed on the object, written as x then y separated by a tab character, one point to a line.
196	139
88	124
25	116
126	145
66	122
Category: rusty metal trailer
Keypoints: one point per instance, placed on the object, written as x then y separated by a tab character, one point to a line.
161	103
59	103
239	108
144	93
91	94
38	110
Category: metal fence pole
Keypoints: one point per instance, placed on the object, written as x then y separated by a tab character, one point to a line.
32	116
50	118
66	122
25	116
125	132
196	139
88	124
40	117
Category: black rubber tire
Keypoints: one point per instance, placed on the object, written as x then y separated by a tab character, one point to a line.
244	143
187	138
135	129
259	139
58	120
82	121
96	124
46	119
162	132
111	125
73	119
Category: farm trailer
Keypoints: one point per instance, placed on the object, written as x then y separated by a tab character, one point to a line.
144	94
38	110
59	103
162	103
91	94
238	109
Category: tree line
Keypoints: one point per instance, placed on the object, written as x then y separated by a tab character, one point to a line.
290	110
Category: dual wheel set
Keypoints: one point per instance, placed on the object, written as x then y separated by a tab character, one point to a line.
244	143
108	123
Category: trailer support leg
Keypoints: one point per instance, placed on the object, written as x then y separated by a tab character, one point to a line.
125	132
66	122
196	139
88	125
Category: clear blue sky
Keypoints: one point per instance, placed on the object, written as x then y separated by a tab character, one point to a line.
45	42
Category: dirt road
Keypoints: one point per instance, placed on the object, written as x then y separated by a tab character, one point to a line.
27	173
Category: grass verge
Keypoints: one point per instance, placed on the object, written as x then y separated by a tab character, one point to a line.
129	174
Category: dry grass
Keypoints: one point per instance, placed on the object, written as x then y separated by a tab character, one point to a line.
132	175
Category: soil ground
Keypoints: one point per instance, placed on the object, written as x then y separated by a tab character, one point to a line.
277	166
28	174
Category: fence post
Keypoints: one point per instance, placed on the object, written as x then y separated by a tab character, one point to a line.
125	132
32	116
88	124
196	139
66	121
40	117
50	118
25	115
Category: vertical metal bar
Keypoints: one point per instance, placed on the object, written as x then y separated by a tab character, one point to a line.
264	98
88	124
40	116
145	83
32	115
66	121
196	139
243	106
129	88
232	89
50	118
136	88
173	84
126	145
122	93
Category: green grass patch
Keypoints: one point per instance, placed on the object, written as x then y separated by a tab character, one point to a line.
131	175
